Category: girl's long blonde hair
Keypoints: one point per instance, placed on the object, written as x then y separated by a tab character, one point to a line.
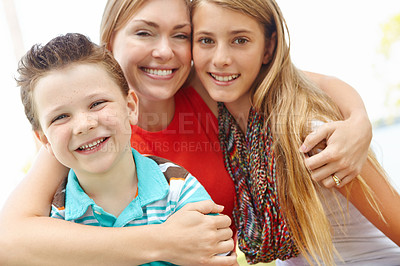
289	102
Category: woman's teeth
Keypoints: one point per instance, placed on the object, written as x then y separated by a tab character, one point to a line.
158	72
224	78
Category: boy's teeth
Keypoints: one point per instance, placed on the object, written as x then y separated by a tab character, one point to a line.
158	72
91	146
225	78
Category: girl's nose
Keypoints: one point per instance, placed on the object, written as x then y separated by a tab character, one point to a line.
221	57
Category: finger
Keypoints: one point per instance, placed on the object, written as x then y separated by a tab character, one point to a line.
324	172
205	207
330	182
224	260
325	157
224	234
225	247
345	180
220	221
321	133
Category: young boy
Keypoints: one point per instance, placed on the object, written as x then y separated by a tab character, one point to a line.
80	107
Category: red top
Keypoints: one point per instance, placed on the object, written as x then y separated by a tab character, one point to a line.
191	140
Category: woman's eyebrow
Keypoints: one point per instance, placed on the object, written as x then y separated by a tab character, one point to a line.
155	25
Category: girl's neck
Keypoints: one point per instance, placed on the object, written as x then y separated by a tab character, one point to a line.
240	111
156	115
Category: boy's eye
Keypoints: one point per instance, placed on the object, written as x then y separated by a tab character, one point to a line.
57	118
240	41
97	103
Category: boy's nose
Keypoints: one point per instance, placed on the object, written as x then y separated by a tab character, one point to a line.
85	123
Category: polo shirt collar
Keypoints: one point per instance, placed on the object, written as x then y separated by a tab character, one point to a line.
152	186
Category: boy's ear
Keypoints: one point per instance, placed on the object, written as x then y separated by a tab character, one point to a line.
43	139
269	48
133	107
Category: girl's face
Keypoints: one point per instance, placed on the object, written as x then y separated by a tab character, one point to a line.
228	52
153	49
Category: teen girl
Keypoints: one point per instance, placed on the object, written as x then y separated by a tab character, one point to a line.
242	58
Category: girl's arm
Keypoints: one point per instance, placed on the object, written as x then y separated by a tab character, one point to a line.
30	237
387	198
347	141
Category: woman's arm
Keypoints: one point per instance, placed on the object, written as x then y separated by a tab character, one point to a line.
387	198
347	141
30	237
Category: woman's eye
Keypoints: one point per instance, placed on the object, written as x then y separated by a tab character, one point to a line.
240	41
206	41
182	36
143	33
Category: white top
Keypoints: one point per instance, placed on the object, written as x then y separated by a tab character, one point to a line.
357	240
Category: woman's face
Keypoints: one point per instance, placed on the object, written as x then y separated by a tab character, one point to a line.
228	52
154	49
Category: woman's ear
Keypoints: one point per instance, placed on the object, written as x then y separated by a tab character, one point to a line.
43	139
133	107
269	48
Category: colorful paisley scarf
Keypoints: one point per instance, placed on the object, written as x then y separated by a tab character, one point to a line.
262	233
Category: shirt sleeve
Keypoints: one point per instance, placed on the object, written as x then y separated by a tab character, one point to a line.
192	191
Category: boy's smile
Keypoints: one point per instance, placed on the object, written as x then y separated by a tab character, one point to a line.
85	117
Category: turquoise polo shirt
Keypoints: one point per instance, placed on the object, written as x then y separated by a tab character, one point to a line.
156	200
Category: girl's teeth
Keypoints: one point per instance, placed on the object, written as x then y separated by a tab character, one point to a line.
92	145
158	72
225	78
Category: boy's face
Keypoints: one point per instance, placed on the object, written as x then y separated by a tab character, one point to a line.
85	117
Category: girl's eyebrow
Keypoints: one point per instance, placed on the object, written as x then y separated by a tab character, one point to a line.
155	25
233	32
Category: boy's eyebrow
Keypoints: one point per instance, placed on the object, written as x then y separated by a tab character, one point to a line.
155	25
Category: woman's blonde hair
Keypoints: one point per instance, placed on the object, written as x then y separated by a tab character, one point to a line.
289	102
116	14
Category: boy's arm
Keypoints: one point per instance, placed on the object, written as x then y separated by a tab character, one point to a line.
30	237
347	141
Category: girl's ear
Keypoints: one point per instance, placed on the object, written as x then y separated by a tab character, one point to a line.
269	48
43	139
133	107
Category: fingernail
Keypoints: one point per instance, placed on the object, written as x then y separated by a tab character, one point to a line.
303	148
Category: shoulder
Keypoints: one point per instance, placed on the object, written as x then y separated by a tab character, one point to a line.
169	169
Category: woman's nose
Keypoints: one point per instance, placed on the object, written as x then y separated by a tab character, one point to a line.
163	50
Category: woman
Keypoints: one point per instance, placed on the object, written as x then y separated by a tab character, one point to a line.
150	55
268	108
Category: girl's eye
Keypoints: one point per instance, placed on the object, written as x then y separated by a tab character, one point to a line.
241	41
96	104
206	40
57	118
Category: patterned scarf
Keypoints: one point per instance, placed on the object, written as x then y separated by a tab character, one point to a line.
262	233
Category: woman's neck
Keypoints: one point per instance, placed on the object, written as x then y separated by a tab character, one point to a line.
156	115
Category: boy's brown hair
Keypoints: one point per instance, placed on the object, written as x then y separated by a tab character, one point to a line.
58	53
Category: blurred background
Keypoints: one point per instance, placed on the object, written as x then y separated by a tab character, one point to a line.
355	40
